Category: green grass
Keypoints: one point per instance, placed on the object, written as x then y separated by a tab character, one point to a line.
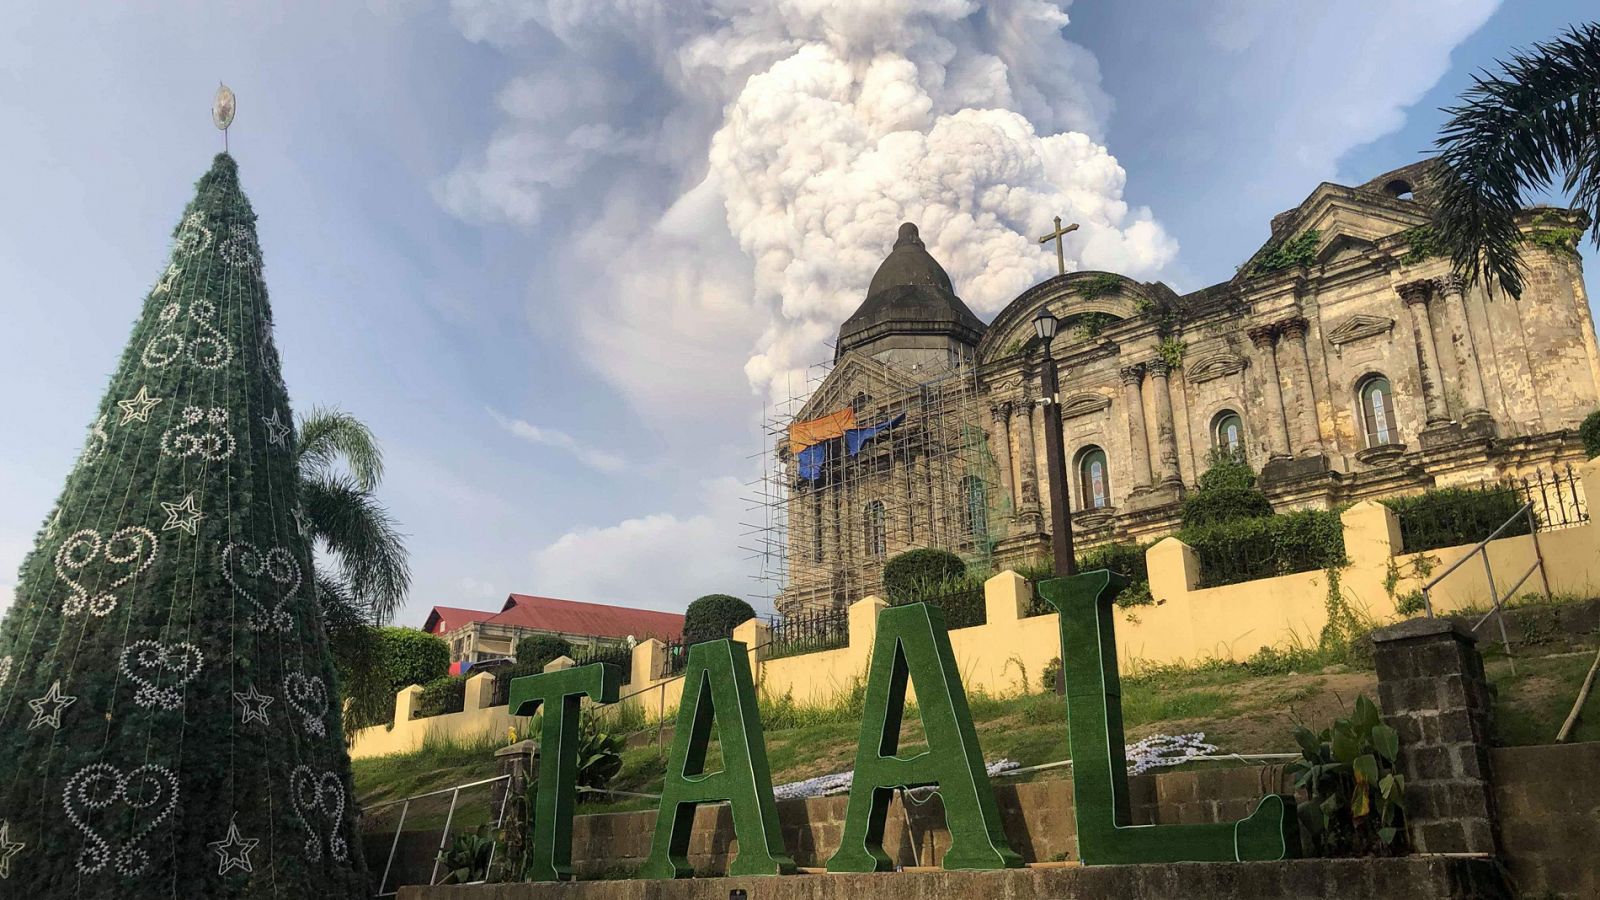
1530	706
440	763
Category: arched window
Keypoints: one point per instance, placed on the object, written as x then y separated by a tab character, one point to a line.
975	514
1227	432
1399	189
876	530
1377	412
1094	479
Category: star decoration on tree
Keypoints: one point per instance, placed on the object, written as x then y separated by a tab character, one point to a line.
277	432
57	702
138	408
168	279
233	852
185	515
255	705
8	849
301	523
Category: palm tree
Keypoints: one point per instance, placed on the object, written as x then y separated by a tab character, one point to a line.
1513	133
340	465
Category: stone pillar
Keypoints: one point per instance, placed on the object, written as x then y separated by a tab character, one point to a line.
1416	295
1166	433
405	703
1264	337
517	761
1432	690
1001	441
479	691
1465	351
1138	440
1007	597
1294	331
1027	469
755	635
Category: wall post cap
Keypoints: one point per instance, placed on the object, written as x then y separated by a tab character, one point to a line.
520	748
412	689
1423	627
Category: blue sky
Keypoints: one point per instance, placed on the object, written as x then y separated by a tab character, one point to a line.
561	255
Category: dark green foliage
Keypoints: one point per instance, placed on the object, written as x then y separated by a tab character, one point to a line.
599	758
714	617
442	696
541	649
1227	491
1122	558
1451	517
467	860
1514	133
1356	794
1589	431
1052	671
913	573
1296	251
1247	549
412	656
155	649
1090	324
1422	243
1100	284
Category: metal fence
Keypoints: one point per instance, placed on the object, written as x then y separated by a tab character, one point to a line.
677	657
621	657
448	813
441	698
1556	497
809	633
1481	551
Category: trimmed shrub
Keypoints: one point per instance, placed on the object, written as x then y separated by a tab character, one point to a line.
1247	549
412	656
714	617
910	576
442	696
538	650
1589	431
1226	492
1124	559
1451	517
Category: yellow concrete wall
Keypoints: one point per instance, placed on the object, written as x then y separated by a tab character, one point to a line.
1185	624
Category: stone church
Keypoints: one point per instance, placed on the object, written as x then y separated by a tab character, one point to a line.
1343	360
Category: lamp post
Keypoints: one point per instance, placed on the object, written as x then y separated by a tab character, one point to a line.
1045	325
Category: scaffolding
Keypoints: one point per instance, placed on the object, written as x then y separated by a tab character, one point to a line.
927	479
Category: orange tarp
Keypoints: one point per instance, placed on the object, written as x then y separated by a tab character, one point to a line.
815	431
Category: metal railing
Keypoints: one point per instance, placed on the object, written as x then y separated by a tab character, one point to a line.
1557	497
621	657
444	835
1482	550
810	632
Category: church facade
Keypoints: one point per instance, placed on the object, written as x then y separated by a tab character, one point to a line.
1344	361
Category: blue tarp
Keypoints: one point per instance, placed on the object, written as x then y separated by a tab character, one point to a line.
811	460
855	438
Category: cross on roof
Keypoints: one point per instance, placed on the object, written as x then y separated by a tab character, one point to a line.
1061	259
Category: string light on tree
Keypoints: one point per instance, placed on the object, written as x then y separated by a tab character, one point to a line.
47	710
277	432
137	408
255	705
185	515
8	849
233	852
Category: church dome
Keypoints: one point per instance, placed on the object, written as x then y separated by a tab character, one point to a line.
910	294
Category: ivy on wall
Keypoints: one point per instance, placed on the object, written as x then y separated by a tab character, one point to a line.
1422	243
1296	251
1100	284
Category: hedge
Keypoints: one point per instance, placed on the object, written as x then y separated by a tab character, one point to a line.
714	617
411	656
1589	432
916	573
1226	491
1247	549
1122	558
960	599
442	696
1452	517
540	649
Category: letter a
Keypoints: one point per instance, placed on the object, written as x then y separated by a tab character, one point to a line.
561	694
717	685
912	642
1106	835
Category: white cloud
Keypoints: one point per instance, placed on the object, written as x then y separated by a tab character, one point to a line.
599	460
660	561
740	169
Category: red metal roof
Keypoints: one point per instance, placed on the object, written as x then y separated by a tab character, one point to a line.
449	618
564	616
601	620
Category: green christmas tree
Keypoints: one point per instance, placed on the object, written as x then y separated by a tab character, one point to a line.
167	717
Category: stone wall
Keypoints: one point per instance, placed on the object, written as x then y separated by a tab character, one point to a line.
1548	799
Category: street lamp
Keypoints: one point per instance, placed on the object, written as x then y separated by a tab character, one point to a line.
1045	325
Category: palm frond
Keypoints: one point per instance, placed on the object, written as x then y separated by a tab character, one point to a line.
362	684
1513	134
330	435
361	537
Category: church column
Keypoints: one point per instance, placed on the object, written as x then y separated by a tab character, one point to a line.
1027	469
1166	433
1138	442
1264	336
1416	295
1466	353
1000	440
1300	358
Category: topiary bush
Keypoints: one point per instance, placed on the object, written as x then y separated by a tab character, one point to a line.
412	656
1247	549
442	696
539	650
714	617
910	576
1451	517
1227	491
1589	431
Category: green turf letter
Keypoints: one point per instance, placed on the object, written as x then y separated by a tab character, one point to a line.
717	685
1099	763
912	641
561	694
